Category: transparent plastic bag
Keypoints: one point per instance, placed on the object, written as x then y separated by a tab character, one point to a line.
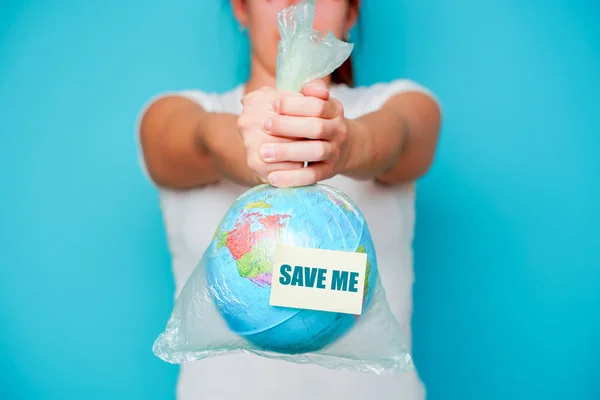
305	54
224	306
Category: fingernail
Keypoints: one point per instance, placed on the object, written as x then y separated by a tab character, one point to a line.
267	152
268	125
277	105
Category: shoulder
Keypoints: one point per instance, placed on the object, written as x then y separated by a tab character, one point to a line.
372	97
226	101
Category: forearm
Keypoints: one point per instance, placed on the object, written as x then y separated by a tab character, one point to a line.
225	148
396	143
184	146
375	142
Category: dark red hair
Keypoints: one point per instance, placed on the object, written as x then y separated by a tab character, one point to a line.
345	73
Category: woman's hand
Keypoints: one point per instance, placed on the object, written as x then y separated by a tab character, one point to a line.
258	108
314	116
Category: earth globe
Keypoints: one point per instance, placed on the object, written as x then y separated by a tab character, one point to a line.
240	256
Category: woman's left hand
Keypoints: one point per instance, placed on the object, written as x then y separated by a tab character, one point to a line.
314	116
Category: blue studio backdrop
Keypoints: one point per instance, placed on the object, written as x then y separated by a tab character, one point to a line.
507	248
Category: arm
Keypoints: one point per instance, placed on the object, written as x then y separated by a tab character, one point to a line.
184	146
392	145
396	143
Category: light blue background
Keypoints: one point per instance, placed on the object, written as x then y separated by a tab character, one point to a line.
507	299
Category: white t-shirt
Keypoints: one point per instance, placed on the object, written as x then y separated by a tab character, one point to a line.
191	217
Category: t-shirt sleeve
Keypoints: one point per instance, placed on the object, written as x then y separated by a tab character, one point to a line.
380	93
207	102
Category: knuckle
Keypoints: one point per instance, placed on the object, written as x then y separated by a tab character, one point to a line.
256	96
241	123
343	132
320	151
319	129
275	123
254	164
321	108
284	104
266	90
246	133
339	107
279	153
318	175
247	145
310	176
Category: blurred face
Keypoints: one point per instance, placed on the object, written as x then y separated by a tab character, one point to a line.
260	18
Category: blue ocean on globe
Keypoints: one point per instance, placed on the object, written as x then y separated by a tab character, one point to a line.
239	263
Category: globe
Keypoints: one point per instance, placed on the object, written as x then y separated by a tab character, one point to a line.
239	263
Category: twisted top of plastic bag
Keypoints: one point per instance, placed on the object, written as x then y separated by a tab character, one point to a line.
305	54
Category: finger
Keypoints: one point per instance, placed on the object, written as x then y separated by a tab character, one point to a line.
299	151
286	166
305	106
262	170
255	136
257	94
316	88
265	94
299	127
301	177
282	167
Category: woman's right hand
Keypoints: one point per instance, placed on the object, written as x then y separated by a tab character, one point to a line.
258	108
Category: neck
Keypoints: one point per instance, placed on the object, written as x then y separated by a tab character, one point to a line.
261	77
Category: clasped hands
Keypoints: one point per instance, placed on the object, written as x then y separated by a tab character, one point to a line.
283	130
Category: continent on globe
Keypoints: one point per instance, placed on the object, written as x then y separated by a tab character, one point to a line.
244	242
257	204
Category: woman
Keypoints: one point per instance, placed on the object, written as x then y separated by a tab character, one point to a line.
203	150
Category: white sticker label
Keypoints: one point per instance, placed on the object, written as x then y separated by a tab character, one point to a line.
315	279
